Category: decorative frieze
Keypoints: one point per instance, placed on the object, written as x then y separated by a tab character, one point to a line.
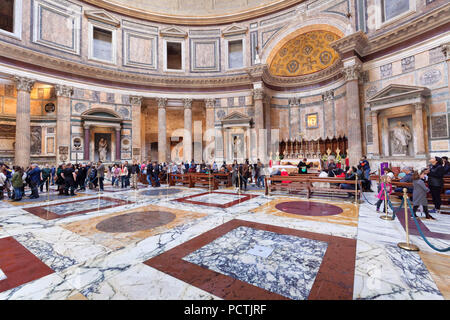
328	95
408	64
386	70
445	48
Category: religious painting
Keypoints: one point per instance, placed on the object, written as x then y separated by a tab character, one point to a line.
312	120
102	149
7	131
35	138
439	127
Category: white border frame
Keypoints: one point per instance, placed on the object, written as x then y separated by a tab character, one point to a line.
379	23
244	50
17	29
91	25
183	54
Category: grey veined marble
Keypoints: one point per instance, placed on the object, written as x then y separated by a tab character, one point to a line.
244	254
80	206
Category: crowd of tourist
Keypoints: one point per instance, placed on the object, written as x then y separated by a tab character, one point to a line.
72	177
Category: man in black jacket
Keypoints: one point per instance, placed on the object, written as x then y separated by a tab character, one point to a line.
436	182
134	171
156	171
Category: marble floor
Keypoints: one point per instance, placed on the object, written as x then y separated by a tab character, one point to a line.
183	243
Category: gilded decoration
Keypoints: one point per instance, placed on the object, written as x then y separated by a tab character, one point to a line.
305	54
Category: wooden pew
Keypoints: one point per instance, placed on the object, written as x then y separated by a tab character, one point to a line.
204	179
184	179
223	178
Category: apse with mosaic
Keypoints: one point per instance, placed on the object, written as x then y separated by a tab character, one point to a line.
229	150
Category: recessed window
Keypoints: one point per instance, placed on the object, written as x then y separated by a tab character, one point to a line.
102	44
235	54
174	56
393	8
7	15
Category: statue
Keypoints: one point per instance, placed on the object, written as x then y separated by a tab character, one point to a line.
102	149
237	147
401	136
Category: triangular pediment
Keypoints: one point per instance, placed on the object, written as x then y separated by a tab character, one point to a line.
173	32
102	16
236	116
397	91
234	30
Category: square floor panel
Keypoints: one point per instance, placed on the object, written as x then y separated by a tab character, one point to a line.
217	199
60	210
283	264
325	264
19	265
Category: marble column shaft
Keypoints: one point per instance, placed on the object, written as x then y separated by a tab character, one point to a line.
162	130
87	137
446	51
210	131
118	144
136	103
294	125
353	114
418	129
22	147
63	94
258	96
187	136
375	139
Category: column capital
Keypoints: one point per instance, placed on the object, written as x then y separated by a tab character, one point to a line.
328	95
136	100
418	106
162	102
24	84
374	113
63	90
352	72
446	50
294	102
187	103
258	94
86	126
210	103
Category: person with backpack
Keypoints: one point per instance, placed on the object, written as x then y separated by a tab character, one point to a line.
420	191
45	176
17	183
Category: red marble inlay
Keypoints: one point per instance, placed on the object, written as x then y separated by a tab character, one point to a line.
19	265
412	228
334	280
244	197
43	213
308	208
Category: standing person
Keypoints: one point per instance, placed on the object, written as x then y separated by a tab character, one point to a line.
156	171
420	194
100	174
150	173
82	179
123	175
303	166
35	178
53	174
436	182
446	165
59	179
69	177
45	176
2	180
115	175
134	175
385	184
17	183
365	166
128	178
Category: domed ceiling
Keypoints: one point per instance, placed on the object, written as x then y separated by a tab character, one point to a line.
194	11
307	53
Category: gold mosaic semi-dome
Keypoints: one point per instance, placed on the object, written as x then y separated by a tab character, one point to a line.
307	53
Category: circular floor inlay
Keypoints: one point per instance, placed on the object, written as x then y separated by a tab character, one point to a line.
160	192
135	221
306	208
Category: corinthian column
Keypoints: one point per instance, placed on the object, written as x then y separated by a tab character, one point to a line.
258	96
63	94
209	134
22	148
187	136
351	74
162	128
446	51
136	103
418	129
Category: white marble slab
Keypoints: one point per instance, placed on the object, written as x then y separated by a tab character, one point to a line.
2	275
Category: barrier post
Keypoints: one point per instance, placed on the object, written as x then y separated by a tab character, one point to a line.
356	190
386	217
406	245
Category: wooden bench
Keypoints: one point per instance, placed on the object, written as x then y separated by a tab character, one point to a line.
308	186
204	179
184	179
223	178
444	197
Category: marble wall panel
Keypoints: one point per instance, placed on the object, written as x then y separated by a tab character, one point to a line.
205	55
140	50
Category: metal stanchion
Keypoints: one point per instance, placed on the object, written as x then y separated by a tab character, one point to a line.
386	216
406	245
48	199
356	190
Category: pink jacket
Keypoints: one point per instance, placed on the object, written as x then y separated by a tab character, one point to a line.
388	190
